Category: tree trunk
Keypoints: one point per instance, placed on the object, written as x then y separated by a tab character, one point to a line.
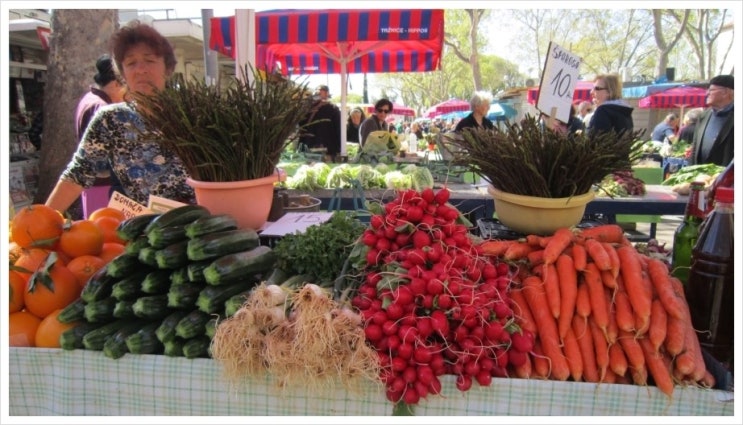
78	38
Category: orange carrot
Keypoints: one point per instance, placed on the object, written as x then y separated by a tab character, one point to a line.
608	279
560	241
609	377
524	370
551	288
639	376
599	309
517	251
580	257
642	323
537	299
657	367
585	343
521	311
691	341
617	359
635	357
658	325
495	247
612	233
708	380
612	331
623	312
600	347
675	336
638	293
660	279
597	253
684	363
540	362
582	301
568	282
535	257
535	240
613	257
623	379
573	355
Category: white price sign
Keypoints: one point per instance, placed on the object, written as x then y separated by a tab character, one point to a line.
558	82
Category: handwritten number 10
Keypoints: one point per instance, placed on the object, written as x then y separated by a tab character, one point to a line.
561	85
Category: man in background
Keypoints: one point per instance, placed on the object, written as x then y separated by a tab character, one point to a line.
713	135
324	130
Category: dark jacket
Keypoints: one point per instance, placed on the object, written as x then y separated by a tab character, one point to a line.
613	115
469	121
721	152
326	133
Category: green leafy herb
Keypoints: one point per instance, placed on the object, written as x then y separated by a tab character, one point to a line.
320	250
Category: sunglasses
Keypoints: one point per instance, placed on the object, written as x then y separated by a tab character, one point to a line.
597	88
385	111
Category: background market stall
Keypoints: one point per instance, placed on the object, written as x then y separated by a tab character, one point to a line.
297	42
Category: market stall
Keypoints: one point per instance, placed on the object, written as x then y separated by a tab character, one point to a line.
54	382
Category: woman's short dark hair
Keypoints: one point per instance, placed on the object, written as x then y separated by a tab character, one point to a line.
135	33
383	102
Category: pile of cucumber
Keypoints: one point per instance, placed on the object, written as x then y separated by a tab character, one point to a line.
165	293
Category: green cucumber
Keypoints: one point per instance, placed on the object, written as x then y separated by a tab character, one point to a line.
72	338
98	286
151	307
129	288
96	339
74	312
133	247
115	346
218	244
172	256
124	309
178	216
156	282
123	265
195	270
131	228
192	325
196	347
166	331
212	298
211	224
100	311
179	276
160	237
239	265
185	295
144	341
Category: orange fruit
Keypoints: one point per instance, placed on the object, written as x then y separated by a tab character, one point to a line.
54	287
85	266
14	251
36	226
22	326
49	330
29	261
108	226
17	288
107	212
81	237
111	250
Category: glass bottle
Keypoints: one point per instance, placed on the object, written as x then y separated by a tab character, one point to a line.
687	233
709	290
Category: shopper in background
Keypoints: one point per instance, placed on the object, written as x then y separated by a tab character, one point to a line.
324	129
713	135
146	60
377	121
691	117
479	106
355	118
108	89
612	113
666	130
585	111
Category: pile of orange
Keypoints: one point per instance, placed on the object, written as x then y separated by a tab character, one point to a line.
59	251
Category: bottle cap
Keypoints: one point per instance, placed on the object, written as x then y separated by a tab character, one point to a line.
725	194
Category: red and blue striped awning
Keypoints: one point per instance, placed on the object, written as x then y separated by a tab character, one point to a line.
676	97
318	41
582	92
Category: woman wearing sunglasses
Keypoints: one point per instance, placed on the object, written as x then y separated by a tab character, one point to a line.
377	121
612	113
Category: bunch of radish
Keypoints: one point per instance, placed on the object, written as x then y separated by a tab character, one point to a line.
431	303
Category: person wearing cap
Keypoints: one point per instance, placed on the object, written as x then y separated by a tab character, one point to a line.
713	136
324	129
377	121
107	89
355	118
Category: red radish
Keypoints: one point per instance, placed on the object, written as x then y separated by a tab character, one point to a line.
420	388
376	221
421	239
405	350
389	328
435	386
516	357
440	323
373	333
435	287
422	355
410	396
425	375
443	301
464	383
393	396
428	195
409	374
483	378
425	327
442	196
394	311
523	341
369	238
398	364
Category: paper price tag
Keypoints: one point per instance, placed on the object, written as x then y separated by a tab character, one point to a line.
128	206
558	82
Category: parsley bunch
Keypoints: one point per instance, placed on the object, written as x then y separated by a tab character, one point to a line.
322	249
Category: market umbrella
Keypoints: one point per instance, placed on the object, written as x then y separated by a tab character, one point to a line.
501	111
451	105
341	41
397	109
582	92
676	97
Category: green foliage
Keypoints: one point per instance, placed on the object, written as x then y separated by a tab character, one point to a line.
322	249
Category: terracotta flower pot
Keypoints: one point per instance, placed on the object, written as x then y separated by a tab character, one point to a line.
538	216
248	201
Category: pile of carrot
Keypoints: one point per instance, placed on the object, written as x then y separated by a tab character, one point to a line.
601	311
